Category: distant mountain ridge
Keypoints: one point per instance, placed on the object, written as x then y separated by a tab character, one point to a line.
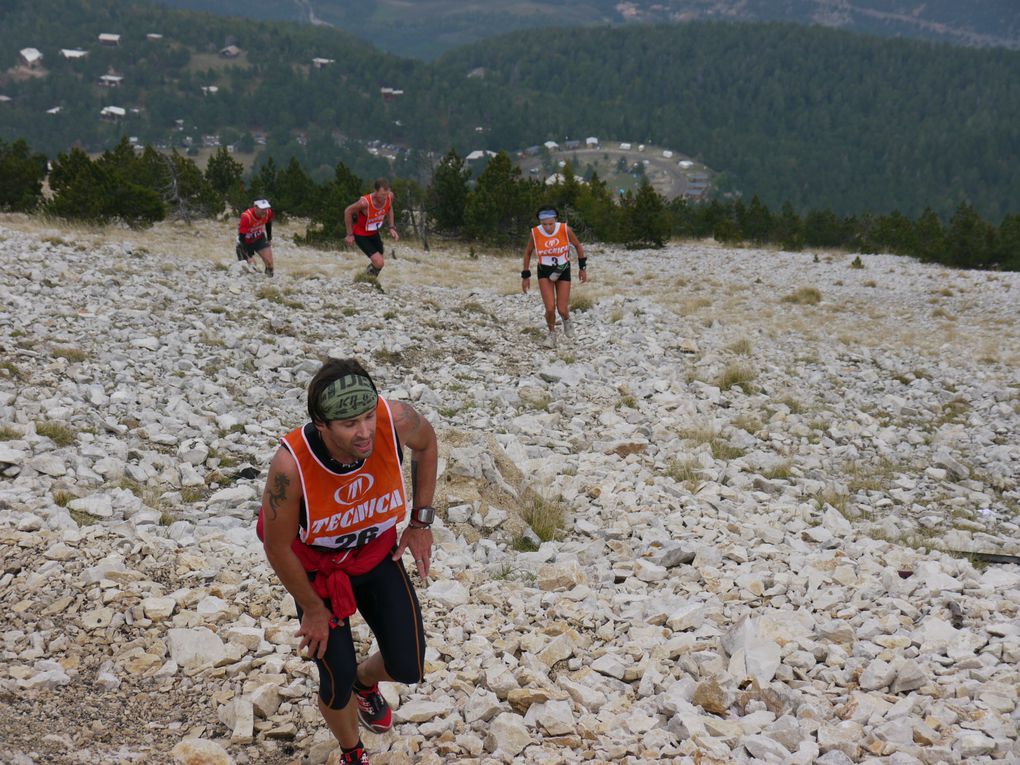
428	28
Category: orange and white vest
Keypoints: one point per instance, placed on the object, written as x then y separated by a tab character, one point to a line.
343	511
552	249
369	221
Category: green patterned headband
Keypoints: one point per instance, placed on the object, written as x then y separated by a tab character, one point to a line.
347	397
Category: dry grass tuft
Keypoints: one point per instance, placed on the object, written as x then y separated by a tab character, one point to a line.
579	303
71	354
741	347
57	432
10	369
804	296
684	472
363	277
737	375
546	517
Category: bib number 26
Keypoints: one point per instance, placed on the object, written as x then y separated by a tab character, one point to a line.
362	538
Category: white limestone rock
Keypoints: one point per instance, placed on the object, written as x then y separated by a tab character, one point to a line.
195	647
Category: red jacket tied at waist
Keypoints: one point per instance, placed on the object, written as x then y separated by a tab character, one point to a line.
333	568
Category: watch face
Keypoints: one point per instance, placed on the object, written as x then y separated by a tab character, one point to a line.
424	514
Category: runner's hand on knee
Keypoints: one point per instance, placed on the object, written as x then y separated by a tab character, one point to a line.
314	632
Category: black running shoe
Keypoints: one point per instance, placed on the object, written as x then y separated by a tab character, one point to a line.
269	271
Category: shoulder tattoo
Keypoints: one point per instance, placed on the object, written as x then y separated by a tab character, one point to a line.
408	417
277	494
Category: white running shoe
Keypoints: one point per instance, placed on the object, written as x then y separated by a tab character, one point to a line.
568	328
550	339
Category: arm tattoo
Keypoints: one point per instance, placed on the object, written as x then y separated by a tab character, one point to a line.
278	494
410	416
414	478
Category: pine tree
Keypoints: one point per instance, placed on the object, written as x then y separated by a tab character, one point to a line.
969	240
1008	245
498	210
788	229
929	239
224	174
646	219
21	177
79	187
448	193
757	222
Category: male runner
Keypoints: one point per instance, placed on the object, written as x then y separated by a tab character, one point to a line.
255	235
333	499
364	219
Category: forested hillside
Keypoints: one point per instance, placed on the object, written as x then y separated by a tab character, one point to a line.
816	117
427	28
812	116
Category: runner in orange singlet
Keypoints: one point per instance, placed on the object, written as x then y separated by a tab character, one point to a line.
333	500
550	241
364	220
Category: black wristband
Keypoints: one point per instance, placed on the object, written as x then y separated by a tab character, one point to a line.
582	263
526	273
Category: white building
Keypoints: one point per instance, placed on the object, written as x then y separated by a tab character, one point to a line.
30	56
667	154
111	80
625	146
210	90
73	53
551	145
479	154
322	63
591	142
153	37
109	40
112	113
54	110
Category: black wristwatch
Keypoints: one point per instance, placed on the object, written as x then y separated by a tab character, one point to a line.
423	516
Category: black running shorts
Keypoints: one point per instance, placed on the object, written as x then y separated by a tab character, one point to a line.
370	245
544	272
256	246
388	603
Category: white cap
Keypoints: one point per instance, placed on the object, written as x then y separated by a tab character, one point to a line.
262	204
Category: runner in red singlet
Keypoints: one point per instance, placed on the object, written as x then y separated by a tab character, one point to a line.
255	235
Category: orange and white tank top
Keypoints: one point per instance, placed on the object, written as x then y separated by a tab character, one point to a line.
342	511
552	249
371	220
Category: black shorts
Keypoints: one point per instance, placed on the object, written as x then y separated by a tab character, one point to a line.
370	245
544	272
256	246
388	603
